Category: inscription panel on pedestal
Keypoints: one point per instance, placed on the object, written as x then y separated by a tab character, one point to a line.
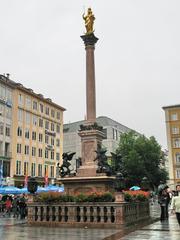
89	152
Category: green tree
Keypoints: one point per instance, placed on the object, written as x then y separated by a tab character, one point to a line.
142	158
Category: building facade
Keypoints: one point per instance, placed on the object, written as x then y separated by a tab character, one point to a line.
172	118
111	128
32	135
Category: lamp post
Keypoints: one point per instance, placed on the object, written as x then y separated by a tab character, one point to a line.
32	185
119	186
145	183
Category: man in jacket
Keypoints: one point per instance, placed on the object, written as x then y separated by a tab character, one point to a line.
175	207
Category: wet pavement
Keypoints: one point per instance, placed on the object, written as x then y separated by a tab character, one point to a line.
8	231
16	229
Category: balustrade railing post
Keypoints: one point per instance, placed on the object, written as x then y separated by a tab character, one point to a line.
88	213
63	213
44	213
38	214
81	214
56	214
95	213
71	214
119	214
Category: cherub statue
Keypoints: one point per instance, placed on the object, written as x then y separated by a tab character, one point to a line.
89	21
101	158
64	169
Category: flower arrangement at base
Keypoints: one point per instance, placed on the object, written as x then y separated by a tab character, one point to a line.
55	197
134	196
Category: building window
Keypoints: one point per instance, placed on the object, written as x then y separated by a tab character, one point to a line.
33	151
46	139
20	99
52	141
35	105
18	167
20	115
9	95
41	107
33	169
175	130
52	126
27	133
176	142
18	148
33	135
52	171
19	132
58	128
115	134
47	111
39	170
177	156
46	125
46	153
174	117
1	128
40	122
46	170
28	103
2	92
8	112
28	117
1	109
52	155
26	168
57	142
34	119
58	115
52	113
57	156
26	150
8	130
178	173
40	137
40	152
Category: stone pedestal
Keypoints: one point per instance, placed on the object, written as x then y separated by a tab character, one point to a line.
90	141
73	185
119	197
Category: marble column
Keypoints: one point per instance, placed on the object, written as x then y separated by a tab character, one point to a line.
90	41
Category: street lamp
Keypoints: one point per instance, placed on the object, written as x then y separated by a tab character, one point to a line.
32	185
119	183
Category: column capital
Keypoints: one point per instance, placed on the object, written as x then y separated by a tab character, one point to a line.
89	39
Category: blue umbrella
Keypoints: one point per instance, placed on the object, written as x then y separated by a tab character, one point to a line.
10	190
55	188
23	190
135	188
41	189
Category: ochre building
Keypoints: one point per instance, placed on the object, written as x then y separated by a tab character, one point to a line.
31	134
172	117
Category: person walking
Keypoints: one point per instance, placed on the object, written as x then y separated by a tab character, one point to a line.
163	200
175	207
8	206
15	207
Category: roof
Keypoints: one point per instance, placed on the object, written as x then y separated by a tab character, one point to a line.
102	121
171	106
6	81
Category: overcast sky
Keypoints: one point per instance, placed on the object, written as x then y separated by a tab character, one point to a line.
137	56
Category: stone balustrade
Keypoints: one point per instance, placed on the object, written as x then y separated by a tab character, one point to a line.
87	214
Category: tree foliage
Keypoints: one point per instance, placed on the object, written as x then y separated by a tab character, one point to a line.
141	158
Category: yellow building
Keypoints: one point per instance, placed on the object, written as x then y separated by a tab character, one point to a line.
36	134
172	117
